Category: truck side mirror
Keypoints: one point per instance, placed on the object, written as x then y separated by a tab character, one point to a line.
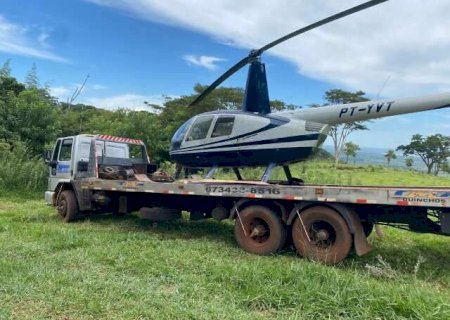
47	156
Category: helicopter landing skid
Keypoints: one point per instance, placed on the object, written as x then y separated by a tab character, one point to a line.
214	168
237	173
287	171
268	172
290	178
211	172
178	170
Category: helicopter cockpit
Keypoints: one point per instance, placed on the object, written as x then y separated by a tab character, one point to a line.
195	131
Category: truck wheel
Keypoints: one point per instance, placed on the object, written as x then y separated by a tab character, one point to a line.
321	235
264	232
67	206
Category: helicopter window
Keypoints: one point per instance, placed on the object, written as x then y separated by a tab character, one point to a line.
223	127
179	135
200	128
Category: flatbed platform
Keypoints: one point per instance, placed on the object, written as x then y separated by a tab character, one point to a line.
391	195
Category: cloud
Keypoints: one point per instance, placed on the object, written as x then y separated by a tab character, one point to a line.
130	101
43	37
98	87
407	42
207	62
17	39
61	92
127	101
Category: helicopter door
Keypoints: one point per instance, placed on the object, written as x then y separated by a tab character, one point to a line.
223	127
199	131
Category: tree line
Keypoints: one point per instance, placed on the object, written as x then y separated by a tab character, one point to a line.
30	116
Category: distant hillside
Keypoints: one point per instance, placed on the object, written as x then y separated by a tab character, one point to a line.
375	156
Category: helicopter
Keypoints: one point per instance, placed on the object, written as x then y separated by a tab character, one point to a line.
254	136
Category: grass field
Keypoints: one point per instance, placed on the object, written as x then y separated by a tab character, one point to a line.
126	268
323	172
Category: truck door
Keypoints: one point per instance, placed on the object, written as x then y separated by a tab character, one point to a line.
61	164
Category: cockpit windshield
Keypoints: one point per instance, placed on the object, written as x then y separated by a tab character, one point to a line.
179	135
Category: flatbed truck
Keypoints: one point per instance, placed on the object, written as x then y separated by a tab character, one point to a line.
99	173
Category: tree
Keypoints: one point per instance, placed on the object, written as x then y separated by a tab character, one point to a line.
350	150
389	155
409	162
339	133
32	80
278	105
446	167
8	84
36	119
433	150
5	71
26	115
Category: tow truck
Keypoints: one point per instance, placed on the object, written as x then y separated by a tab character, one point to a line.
91	174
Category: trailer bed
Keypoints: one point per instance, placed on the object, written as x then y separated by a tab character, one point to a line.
432	197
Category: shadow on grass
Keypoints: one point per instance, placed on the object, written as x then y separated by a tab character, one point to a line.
207	229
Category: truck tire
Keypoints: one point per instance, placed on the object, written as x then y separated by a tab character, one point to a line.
264	231
321	235
67	206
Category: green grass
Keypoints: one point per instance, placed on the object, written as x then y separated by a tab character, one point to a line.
323	172
126	268
105	268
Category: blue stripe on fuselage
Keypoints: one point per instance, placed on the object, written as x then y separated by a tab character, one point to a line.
305	137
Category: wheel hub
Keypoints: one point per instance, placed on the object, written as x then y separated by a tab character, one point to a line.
258	231
322	235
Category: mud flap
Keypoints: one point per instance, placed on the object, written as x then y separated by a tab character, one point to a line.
359	238
123	206
354	224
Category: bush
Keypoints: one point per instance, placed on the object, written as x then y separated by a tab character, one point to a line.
19	171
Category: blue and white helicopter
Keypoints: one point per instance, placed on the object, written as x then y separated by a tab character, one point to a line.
256	137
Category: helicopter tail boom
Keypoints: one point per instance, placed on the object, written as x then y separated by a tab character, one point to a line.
344	113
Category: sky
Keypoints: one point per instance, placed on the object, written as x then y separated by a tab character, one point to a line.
146	50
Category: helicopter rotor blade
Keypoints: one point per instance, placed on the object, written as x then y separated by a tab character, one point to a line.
319	23
219	80
254	54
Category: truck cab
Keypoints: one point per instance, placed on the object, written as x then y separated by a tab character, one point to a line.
82	156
